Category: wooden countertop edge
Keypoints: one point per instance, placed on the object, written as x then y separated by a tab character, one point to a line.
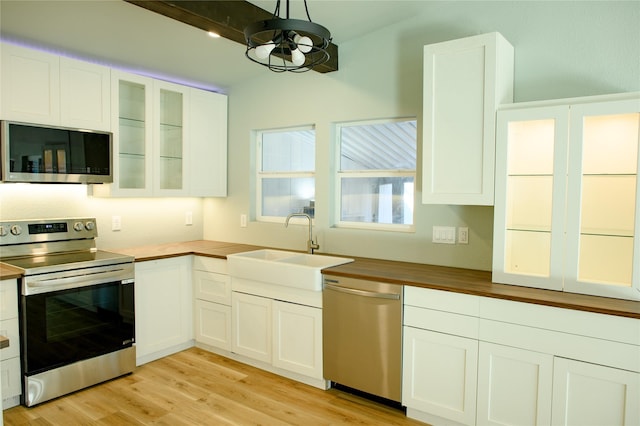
458	280
4	342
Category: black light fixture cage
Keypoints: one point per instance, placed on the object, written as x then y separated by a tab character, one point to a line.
273	43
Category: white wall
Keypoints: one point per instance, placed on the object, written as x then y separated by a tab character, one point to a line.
144	221
563	49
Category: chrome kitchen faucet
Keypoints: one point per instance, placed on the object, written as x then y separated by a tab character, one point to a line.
311	245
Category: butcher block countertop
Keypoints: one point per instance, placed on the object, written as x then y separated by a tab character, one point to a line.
444	278
9	272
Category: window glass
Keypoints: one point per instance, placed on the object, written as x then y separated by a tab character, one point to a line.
286	173
375	182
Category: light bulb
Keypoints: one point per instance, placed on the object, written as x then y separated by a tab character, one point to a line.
304	43
264	50
297	57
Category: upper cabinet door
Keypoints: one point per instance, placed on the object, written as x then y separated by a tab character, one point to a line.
30	86
85	95
42	88
530	193
464	81
170	138
603	221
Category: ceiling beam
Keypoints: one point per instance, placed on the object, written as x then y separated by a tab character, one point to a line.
227	18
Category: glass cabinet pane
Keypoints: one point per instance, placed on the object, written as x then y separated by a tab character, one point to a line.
170	139
610	144
132	135
530	147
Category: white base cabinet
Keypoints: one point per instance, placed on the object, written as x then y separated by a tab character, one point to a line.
10	375
515	384
212	316
164	308
589	394
477	360
251	326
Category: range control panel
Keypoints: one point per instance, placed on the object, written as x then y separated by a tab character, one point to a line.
44	230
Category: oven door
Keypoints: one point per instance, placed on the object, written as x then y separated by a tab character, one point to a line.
61	327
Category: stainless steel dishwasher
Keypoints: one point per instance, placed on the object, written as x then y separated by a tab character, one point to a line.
362	335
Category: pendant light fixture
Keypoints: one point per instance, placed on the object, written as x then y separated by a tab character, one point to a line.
293	45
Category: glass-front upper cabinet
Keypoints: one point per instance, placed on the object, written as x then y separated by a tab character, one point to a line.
602	216
566	213
133	148
531	163
170	141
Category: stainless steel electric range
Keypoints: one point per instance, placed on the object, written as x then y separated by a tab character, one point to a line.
76	304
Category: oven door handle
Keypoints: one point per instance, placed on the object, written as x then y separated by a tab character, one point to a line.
76	280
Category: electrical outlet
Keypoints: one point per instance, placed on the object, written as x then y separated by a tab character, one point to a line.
444	235
116	223
243	221
463	235
188	218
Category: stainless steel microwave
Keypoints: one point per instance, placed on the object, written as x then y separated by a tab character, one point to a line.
48	154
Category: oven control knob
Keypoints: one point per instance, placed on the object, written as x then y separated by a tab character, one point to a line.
90	226
3	231
16	229
78	226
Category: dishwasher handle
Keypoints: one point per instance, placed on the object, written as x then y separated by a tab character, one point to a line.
364	293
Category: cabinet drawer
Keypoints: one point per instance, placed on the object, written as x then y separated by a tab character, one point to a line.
600	326
210	264
212	287
583	348
9	329
445	322
441	300
8	299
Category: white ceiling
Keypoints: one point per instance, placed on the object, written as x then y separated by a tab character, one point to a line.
124	35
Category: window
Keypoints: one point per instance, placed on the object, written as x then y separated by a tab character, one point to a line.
285	175
376	174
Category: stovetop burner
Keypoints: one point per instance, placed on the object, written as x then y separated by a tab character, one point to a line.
53	245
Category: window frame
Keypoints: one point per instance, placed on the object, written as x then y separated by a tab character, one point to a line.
260	174
340	174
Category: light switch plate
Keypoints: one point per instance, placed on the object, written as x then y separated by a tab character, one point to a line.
116	223
444	235
463	235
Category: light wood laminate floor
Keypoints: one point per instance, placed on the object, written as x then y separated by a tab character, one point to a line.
196	387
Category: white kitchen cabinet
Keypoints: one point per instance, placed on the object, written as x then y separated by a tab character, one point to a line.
514	386
464	82
169	140
297	338
252	326
207	171
212	287
10	369
567	196
440	356
439	375
43	88
164	307
589	394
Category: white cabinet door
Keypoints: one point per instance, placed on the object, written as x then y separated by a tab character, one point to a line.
588	394
207	168
30	85
170	142
603	200
213	324
251	326
297	338
514	386
440	374
164	307
464	81
85	95
530	195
